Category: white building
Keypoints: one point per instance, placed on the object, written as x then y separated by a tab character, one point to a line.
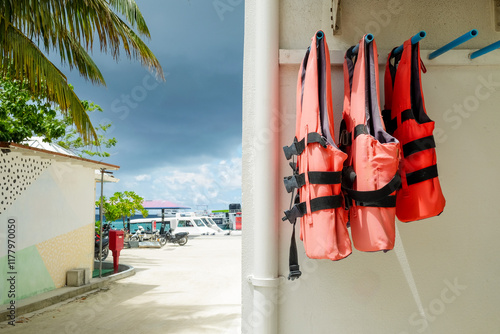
48	195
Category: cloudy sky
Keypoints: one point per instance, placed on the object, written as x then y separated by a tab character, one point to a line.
178	140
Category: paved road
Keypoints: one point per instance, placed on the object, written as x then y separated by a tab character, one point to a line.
195	288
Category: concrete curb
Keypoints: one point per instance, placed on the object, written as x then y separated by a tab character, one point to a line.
58	295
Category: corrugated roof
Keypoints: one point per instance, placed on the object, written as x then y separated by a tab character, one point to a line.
37	142
53	154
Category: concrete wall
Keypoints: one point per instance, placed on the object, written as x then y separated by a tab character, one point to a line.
443	274
53	205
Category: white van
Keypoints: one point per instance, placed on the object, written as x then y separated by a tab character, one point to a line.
188	222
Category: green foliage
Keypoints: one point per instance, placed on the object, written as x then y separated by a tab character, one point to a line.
75	143
122	205
23	115
29	30
98	226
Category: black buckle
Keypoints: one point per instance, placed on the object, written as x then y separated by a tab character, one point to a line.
294	272
290	150
345	138
290	216
295	212
290	183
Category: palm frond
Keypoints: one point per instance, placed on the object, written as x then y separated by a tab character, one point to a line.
26	61
135	47
130	10
47	22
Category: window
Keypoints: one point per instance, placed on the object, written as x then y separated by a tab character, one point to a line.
184	223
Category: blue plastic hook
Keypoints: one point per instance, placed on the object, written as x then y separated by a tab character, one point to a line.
414	40
462	39
368	40
485	50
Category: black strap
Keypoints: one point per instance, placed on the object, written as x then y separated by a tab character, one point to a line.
392	124
316	204
374	198
297	211
389	125
297	147
386	202
297	181
293	259
418	145
421	175
325	203
346	138
374	195
359	130
314	137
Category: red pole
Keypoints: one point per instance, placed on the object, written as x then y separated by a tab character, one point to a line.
116	257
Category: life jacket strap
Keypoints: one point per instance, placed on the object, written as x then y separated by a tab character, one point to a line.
346	137
316	204
293	259
421	175
389	125
386	202
392	124
297	147
299	180
418	145
376	198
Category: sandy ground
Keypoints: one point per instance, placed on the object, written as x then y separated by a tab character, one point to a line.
195	288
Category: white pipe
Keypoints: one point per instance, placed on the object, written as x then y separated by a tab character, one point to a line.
266	220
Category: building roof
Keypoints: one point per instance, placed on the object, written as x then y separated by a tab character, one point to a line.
37	142
53	151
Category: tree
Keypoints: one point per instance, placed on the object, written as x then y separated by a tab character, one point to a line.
29	28
75	143
122	205
23	115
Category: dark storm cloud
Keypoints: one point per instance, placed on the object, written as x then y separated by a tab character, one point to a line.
196	112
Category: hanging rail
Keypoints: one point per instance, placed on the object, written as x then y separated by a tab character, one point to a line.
414	40
319	35
485	50
462	39
368	40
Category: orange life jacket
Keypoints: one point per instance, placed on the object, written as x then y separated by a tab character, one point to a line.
405	117
318	170
371	177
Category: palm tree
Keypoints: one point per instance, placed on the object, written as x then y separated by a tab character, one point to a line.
28	28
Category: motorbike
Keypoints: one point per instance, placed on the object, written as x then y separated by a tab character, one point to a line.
180	238
105	247
163	236
138	234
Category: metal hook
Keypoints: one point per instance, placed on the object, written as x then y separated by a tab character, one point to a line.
368	40
462	39
414	40
485	50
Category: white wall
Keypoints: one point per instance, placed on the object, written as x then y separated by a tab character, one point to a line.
57	201
396	291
